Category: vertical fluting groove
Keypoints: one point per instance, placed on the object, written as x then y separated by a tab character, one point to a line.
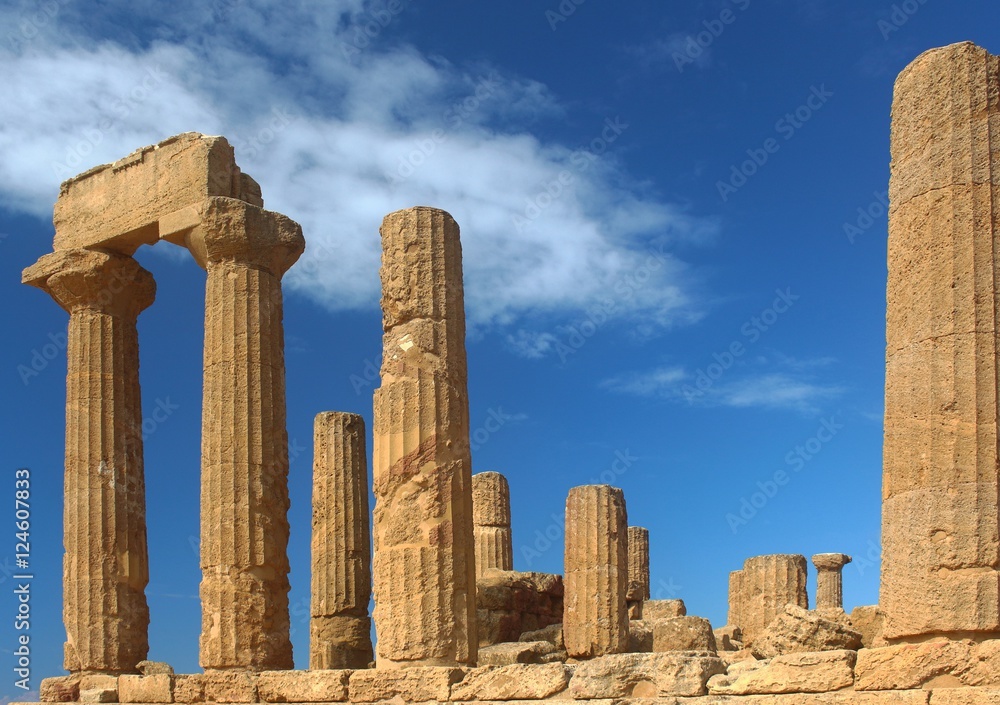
767	584
940	519
341	563
491	522
638	564
105	566
424	561
595	616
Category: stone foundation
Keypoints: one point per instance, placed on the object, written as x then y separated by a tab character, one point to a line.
934	673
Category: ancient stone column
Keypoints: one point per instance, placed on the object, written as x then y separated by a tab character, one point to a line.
830	580
491	522
735	616
638	570
105	567
595	617
940	544
767	584
340	629
244	473
424	564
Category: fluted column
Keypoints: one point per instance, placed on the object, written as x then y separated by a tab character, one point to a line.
940	519
340	629
638	570
491	522
105	567
830	580
244	473
424	564
595	617
768	583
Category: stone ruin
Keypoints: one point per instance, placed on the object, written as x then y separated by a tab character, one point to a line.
454	621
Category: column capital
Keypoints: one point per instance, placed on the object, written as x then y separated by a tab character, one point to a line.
81	279
830	561
230	229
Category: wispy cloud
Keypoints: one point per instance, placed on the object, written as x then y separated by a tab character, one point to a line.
339	136
775	391
662	381
777	382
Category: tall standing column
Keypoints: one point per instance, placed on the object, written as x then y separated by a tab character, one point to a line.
491	522
767	584
638	570
340	629
105	567
595	617
830	580
244	472
424	564
940	543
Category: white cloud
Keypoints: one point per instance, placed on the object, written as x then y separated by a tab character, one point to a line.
781	382
338	136
662	381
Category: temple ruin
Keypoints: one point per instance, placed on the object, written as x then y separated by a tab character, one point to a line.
454	621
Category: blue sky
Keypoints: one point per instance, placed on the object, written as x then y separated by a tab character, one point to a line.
674	230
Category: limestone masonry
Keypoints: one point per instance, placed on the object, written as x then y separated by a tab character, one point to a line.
454	621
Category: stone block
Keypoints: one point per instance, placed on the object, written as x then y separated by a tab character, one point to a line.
515	682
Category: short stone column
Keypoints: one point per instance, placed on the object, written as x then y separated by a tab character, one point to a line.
340	628
941	456
424	565
830	580
638	570
105	567
244	473
767	584
595	616
491	522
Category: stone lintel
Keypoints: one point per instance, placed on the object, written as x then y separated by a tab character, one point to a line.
147	196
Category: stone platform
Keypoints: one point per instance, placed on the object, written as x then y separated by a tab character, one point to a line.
940	672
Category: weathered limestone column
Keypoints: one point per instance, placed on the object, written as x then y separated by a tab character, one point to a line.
595	617
940	544
424	564
105	567
638	570
491	522
735	616
767	584
830	580
244	473
340	629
